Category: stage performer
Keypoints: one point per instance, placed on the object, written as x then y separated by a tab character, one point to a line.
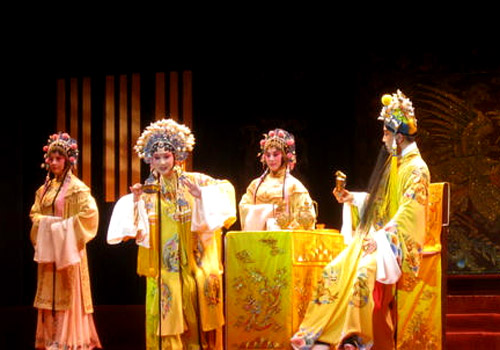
176	218
276	190
65	218
354	298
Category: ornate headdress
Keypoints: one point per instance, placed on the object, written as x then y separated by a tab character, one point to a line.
398	114
282	140
399	117
63	143
168	134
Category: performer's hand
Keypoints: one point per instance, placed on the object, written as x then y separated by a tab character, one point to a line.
137	191
139	237
369	245
193	188
343	196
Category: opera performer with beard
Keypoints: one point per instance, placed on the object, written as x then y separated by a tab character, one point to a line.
353	306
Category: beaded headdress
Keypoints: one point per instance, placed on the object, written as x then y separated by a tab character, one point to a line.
398	114
282	140
167	134
63	143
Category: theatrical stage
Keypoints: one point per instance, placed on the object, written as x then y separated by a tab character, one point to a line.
333	114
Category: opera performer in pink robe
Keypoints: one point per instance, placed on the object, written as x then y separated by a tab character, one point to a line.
65	218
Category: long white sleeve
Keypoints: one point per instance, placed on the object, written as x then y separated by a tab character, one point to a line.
123	222
212	210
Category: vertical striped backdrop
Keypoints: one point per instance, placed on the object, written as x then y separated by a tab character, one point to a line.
120	120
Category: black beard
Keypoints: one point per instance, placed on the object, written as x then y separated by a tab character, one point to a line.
376	188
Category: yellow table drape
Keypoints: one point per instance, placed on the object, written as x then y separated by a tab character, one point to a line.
270	277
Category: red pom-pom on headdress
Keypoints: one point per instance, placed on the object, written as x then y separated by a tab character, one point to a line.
62	142
282	140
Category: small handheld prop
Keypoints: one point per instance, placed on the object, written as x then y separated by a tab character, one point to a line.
340	180
151	185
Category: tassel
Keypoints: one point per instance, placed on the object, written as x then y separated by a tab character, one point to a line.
261	179
393	205
285	192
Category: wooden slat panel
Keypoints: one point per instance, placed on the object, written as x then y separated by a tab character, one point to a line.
187	98
61	105
160	109
123	141
135	126
187	107
86	143
73	114
174	96
73	111
109	140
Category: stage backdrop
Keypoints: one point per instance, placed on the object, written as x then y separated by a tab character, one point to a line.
228	110
459	123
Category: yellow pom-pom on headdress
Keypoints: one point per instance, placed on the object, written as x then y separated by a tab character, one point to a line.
398	114
386	99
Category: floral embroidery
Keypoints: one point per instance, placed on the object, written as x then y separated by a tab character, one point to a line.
239	283
412	256
260	343
361	291
272	243
166	299
408	282
419	334
303	288
198	250
418	189
323	293
171	254
244	257
305	338
212	290
391	231
261	300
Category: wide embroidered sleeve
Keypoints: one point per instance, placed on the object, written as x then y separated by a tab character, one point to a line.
60	239
406	229
35	215
129	219
215	208
85	218
253	217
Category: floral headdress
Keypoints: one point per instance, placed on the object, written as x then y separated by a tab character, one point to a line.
64	144
398	114
282	140
168	134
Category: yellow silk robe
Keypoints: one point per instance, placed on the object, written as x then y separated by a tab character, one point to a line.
343	304
79	204
191	297
270	192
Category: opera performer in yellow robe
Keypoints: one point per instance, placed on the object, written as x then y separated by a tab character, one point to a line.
182	264
353	307
65	218
276	190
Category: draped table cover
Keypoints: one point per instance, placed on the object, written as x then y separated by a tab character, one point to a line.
270	277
